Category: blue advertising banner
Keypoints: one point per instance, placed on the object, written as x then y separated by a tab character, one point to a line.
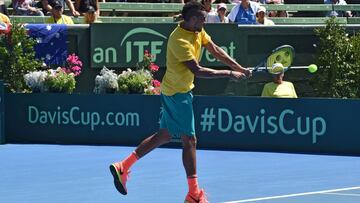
326	126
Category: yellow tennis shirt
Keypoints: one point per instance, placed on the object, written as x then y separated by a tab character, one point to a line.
283	90
182	46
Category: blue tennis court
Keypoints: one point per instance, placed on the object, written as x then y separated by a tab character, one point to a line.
71	173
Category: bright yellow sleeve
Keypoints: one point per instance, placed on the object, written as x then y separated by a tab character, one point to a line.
205	37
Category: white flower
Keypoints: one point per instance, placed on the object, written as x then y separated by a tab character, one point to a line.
106	80
35	80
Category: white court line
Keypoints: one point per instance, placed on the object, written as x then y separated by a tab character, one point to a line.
294	195
345	194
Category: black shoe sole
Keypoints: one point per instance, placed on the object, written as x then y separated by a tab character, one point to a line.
117	182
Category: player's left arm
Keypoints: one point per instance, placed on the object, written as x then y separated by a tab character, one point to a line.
221	55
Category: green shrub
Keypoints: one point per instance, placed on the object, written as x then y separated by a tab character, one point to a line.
338	59
17	57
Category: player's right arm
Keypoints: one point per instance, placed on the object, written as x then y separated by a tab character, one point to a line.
204	72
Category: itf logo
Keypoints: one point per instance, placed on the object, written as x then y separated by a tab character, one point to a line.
132	47
140	45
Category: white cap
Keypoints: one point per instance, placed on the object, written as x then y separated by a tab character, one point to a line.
277	68
261	9
221	5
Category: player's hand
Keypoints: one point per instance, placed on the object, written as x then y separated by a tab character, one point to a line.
248	73
237	75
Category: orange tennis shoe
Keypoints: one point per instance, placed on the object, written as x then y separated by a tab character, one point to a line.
201	198
120	177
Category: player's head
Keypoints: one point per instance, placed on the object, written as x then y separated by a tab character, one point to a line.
277	70
194	15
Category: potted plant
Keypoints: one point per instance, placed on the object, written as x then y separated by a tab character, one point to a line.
58	81
140	81
35	81
61	80
106	82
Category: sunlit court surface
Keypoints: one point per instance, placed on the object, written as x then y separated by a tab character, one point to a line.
71	173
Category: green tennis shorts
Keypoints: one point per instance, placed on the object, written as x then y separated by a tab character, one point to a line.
177	114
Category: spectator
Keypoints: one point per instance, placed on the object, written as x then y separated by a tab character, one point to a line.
260	1
209	10
5	25
57	15
338	13
276	13
244	12
4	19
3	9
278	87
90	16
47	6
220	17
274	1
261	17
83	5
26	8
222	1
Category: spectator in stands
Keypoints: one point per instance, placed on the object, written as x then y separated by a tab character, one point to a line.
261	17
278	87
260	1
91	16
220	17
338	13
26	8
3	7
48	5
276	13
57	15
244	12
4	19
209	10
222	1
83	5
5	25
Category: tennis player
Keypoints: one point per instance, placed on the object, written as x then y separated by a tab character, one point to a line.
177	118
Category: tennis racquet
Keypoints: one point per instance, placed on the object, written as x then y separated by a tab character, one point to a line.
283	54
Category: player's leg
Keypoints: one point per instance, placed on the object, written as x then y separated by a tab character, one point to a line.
152	142
189	160
120	170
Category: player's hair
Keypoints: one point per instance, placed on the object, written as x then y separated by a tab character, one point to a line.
191	8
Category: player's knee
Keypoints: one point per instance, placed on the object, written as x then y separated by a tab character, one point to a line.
164	136
189	141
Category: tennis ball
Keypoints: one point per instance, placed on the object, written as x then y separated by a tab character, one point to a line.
312	68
